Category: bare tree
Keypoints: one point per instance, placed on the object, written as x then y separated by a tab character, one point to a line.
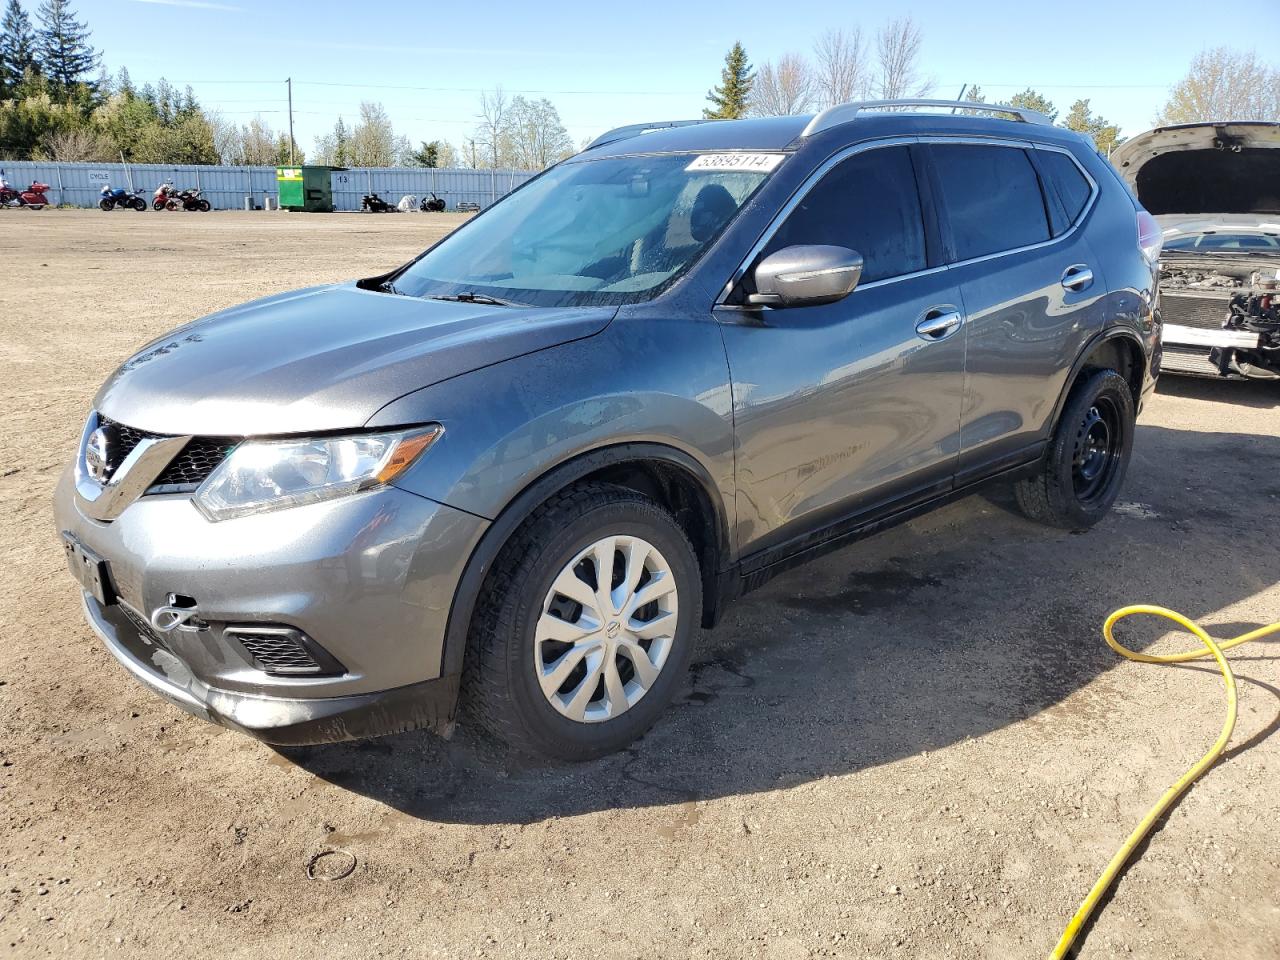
841	71
898	55
535	135
1224	84
75	145
374	142
254	144
783	89
491	134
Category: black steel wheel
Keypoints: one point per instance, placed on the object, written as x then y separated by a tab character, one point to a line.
1081	473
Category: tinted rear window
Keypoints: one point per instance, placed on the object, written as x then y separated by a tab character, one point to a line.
992	198
1073	188
868	203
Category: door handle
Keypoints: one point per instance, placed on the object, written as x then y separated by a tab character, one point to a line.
939	323
1077	277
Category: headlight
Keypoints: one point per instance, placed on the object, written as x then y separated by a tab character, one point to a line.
261	475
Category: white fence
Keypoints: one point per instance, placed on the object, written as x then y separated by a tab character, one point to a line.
79	184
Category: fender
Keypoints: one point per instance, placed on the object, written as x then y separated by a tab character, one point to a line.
537	493
1110	333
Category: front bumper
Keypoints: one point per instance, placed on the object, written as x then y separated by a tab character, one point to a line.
286	722
370	578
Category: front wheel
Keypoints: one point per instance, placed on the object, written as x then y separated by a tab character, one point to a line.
105	204
1084	467
584	628
157	204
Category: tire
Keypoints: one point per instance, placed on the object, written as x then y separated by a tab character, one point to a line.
508	648
139	204
204	206
35	206
105	205
1082	471
157	205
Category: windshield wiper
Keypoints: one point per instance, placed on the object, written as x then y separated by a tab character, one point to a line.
468	297
389	287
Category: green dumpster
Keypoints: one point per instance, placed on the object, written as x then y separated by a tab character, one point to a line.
309	189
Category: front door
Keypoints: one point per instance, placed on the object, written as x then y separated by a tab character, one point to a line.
844	408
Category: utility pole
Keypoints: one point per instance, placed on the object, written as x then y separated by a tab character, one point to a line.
289	84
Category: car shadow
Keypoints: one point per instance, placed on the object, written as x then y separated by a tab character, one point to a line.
957	624
1262	394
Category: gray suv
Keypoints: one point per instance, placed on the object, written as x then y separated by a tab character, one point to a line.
516	475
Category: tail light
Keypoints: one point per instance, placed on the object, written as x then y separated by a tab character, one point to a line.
1150	239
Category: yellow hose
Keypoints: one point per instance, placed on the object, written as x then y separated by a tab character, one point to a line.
1211	648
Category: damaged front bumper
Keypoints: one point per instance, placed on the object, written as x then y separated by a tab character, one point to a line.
276	720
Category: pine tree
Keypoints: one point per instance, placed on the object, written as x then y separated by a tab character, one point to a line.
730	98
124	84
17	48
62	46
1030	99
341	144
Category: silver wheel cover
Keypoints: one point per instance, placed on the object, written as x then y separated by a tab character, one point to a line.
601	640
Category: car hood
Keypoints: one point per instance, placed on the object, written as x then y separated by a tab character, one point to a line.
1205	168
324	358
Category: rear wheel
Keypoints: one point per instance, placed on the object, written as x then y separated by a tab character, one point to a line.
1084	467
139	204
584	628
205	206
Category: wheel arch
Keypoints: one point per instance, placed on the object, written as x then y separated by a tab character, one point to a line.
667	474
1116	348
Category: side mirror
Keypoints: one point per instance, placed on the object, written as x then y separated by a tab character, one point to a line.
806	275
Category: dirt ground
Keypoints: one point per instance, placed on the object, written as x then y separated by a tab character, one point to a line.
916	747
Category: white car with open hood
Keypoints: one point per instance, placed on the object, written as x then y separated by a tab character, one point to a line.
1215	190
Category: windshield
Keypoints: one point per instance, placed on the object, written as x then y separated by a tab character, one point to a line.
1225	241
607	231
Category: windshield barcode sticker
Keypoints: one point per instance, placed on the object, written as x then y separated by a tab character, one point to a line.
752	162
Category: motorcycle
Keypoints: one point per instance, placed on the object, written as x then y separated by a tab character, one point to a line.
190	200
164	193
33	197
120	197
432	204
372	203
167	198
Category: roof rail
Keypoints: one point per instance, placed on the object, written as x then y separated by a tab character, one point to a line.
635	129
844	112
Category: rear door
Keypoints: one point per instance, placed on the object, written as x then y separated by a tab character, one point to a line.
1032	289
844	408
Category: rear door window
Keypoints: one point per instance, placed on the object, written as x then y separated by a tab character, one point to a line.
1073	188
868	203
991	196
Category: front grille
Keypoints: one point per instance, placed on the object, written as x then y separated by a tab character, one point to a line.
282	650
186	471
1208	310
197	460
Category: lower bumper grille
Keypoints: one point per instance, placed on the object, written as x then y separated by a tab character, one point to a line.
283	651
1192	360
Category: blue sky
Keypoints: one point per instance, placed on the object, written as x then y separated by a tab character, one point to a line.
605	64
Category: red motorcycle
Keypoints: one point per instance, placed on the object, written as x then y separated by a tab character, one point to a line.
33	197
164	193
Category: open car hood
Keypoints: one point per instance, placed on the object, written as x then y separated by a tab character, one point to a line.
1204	169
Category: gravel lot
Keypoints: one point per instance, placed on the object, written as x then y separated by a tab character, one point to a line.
916	747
